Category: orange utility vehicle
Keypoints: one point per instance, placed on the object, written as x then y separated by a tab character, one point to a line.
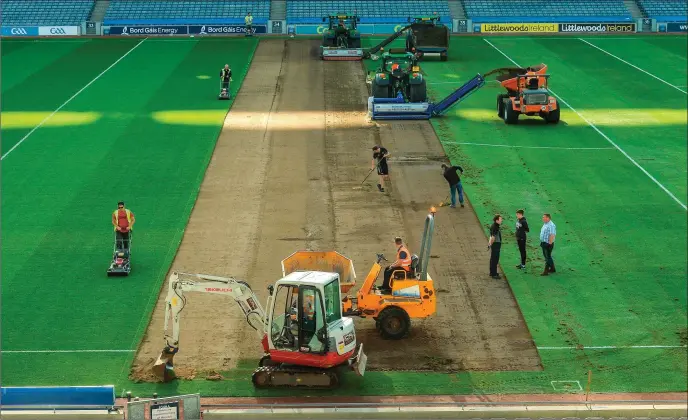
527	93
412	296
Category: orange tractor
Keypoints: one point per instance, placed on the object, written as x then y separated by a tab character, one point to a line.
527	93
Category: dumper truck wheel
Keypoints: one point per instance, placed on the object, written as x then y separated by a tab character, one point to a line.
500	105
418	93
510	116
393	323
553	117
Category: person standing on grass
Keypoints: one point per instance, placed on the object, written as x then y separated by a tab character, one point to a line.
226	77
547	235
495	244
123	222
451	174
380	155
521	230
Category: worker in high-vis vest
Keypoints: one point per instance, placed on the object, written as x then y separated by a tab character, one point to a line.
123	222
403	262
248	21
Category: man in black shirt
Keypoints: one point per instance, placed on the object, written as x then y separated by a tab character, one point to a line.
495	244
452	177
521	230
226	76
380	155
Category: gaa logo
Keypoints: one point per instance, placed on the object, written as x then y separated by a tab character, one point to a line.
18	31
57	31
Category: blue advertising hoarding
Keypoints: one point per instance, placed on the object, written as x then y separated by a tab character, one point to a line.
20	31
673	27
148	30
225	29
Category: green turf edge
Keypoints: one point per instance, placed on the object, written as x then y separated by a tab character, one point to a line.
189	208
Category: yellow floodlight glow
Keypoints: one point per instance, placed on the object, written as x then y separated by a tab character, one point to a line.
29	119
190	117
603	117
203	77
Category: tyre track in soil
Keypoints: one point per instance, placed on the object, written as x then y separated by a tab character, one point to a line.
293	186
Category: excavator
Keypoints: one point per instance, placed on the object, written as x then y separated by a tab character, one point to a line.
305	339
308	335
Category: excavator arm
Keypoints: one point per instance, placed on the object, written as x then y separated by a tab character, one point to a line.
175	302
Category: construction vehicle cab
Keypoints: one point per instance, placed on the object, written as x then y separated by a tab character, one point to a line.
341	40
399	76
427	37
527	93
305	339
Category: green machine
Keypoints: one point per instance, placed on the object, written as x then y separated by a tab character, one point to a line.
341	40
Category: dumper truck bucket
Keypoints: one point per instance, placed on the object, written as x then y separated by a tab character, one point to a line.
327	261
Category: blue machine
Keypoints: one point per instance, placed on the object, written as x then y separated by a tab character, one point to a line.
398	109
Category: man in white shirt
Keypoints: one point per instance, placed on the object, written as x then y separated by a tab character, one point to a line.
547	235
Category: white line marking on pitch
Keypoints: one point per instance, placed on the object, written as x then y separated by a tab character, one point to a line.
634	66
603	135
609	347
69	100
580	388
66	351
531	147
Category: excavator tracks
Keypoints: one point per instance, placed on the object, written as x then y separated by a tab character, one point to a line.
294	377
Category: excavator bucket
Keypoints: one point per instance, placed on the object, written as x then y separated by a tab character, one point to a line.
327	261
163	367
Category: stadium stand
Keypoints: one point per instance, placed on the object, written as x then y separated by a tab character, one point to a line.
45	12
185	12
377	11
665	10
523	11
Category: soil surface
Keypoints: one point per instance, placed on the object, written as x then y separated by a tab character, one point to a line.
286	176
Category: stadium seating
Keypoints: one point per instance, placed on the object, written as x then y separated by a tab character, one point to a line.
375	11
522	11
185	12
45	12
666	10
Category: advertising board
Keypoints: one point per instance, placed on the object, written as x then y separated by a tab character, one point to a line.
19	31
506	28
225	29
673	27
58	30
148	30
598	28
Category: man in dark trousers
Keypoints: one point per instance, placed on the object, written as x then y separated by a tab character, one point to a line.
380	155
226	76
547	235
495	244
521	230
451	174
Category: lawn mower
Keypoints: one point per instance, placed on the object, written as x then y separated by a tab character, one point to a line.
341	40
527	93
121	265
224	92
428	37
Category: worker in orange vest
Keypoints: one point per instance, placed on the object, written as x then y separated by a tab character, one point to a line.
123	222
403	262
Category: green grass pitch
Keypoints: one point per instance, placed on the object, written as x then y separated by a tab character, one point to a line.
144	131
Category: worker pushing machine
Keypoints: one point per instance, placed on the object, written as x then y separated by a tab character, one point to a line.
403	262
123	221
